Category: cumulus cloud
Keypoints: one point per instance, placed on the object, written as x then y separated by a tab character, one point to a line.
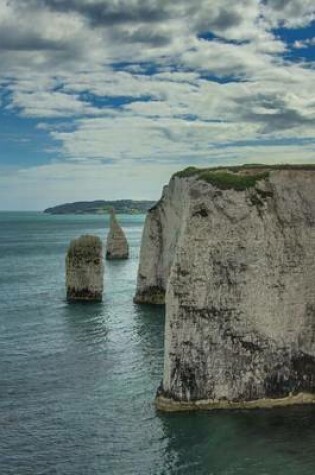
290	13
159	81
273	112
50	104
304	44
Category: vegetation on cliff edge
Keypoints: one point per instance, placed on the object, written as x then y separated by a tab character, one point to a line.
226	181
238	178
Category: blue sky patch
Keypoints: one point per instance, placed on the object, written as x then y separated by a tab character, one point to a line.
23	143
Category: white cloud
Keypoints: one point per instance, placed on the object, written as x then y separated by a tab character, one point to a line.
289	13
298	44
85	181
50	104
143	81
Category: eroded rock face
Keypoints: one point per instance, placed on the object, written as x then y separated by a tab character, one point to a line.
159	240
116	245
85	269
240	301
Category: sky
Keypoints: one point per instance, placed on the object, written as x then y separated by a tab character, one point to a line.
105	99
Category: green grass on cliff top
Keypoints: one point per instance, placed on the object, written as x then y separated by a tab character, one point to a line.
231	177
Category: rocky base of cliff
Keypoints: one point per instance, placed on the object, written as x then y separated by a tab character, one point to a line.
166	404
151	295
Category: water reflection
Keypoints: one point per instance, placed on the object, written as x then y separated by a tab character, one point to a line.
261	442
87	322
149	321
130	366
258	442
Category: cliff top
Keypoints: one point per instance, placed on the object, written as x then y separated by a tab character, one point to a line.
238	177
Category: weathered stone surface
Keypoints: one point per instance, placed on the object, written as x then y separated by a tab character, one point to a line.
240	300
85	269
116	245
159	240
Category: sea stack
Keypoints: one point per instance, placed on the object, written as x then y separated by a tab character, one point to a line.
233	252
116	245
85	269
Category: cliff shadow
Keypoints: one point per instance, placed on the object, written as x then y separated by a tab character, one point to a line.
260	441
149	321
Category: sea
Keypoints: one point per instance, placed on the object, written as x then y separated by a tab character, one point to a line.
78	381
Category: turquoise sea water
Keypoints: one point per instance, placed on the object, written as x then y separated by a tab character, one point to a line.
77	382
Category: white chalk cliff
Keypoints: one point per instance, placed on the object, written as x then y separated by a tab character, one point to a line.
235	253
159	240
116	245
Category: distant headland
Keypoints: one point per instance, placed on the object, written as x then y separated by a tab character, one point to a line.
102	207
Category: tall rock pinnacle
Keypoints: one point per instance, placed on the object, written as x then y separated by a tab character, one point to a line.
116	245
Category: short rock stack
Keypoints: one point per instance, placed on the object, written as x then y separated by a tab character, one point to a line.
117	245
85	269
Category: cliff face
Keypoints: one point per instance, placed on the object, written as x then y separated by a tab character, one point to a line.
116	245
240	301
161	231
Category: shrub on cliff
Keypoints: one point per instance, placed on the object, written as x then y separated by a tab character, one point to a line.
226	181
